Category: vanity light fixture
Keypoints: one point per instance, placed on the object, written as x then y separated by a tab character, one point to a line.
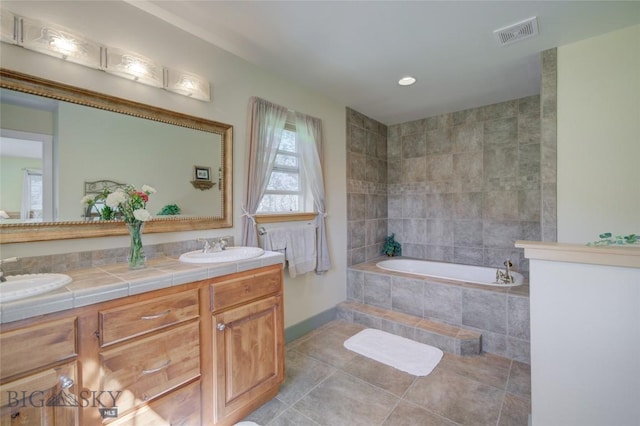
187	84
407	81
133	66
59	42
8	27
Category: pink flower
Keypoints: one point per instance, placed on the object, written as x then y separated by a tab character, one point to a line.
142	195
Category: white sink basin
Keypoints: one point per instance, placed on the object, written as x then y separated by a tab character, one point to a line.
21	286
231	254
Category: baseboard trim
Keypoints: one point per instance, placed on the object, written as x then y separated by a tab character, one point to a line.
300	329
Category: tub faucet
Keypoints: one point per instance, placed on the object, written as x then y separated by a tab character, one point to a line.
7	260
505	277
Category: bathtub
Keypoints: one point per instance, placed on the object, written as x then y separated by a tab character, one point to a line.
449	271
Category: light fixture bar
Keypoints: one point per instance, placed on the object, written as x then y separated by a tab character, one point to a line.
187	84
59	42
8	27
134	67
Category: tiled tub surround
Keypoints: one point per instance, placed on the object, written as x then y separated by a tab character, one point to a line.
102	283
366	187
464	186
397	302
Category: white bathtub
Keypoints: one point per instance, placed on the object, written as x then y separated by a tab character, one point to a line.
449	271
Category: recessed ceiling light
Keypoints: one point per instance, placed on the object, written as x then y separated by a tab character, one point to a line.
406	81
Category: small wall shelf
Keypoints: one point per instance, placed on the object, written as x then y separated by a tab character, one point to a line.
202	184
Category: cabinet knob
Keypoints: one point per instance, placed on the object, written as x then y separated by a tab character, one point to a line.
221	326
65	382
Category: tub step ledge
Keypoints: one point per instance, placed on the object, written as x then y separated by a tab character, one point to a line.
447	337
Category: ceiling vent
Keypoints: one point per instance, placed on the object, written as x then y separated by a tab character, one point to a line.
516	32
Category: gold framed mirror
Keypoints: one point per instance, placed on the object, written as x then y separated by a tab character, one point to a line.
218	214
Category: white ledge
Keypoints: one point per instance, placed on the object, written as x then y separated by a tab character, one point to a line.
627	256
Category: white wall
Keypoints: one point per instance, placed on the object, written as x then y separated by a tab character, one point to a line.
599	136
233	82
585	341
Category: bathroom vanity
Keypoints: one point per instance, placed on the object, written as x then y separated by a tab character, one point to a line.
205	351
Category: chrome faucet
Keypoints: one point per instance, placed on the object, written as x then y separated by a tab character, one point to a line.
7	260
207	247
223	243
216	245
505	277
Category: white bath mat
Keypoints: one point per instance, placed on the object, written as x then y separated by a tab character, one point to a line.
399	352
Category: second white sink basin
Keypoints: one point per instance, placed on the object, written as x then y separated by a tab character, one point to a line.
22	286
230	254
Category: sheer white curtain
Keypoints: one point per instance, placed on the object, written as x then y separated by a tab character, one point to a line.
266	122
309	135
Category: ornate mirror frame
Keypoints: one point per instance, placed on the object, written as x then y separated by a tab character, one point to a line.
45	231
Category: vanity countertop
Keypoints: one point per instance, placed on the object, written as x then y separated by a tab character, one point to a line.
104	283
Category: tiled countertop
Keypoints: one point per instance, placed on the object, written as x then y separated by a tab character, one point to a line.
104	283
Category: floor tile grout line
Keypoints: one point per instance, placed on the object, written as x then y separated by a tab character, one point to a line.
391	411
314	386
506	385
270	422
504	397
361	380
422	407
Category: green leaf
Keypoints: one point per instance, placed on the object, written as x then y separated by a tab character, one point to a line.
605	235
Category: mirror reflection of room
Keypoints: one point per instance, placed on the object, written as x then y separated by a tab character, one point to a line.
50	149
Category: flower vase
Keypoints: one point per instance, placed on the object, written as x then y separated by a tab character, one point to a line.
136	254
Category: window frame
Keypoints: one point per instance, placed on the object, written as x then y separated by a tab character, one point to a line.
302	191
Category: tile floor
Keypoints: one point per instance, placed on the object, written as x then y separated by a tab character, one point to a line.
327	384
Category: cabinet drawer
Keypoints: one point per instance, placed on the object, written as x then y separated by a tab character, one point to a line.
244	289
37	346
133	320
151	366
179	408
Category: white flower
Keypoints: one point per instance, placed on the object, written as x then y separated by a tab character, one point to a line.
88	200
142	215
148	189
116	198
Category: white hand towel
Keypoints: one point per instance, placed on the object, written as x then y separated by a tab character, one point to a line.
275	239
301	249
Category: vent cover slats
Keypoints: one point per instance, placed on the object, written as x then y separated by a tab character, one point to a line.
516	32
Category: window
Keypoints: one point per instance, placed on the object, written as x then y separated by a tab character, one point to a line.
284	165
285	190
34	194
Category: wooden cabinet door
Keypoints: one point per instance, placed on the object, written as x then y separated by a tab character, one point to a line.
45	398
249	355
